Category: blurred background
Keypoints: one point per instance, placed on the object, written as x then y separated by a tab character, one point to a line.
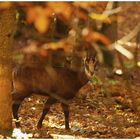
60	34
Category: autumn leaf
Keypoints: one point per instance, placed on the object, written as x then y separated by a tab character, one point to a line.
61	8
61	44
92	36
100	17
31	15
131	130
42	52
39	17
41	24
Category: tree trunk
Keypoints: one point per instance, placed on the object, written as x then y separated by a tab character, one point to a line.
7	26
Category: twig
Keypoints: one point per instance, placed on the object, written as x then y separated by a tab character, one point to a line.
109	9
123	51
131	35
117	44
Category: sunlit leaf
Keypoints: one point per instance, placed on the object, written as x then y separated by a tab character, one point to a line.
31	15
130	130
138	63
101	17
92	36
61	8
41	24
39	16
62	44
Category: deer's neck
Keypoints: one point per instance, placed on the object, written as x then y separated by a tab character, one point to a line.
82	77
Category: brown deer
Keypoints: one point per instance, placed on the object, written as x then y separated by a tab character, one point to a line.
57	83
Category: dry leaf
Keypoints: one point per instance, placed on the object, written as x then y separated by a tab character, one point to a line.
130	130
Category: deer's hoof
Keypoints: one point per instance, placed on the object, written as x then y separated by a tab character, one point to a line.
67	128
18	125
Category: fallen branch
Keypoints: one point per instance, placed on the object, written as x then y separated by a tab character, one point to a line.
117	44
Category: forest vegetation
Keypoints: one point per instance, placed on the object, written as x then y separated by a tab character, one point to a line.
80	59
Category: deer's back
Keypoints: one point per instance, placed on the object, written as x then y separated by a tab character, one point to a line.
62	81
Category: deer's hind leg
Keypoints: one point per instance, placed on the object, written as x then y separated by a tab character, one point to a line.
46	108
17	99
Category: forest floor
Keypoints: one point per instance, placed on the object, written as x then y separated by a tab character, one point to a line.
107	109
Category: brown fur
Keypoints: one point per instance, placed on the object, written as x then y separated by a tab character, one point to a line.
48	81
33	79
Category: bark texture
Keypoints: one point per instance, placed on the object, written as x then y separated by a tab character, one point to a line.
7	27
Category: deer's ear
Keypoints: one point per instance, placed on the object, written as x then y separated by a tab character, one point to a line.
94	59
84	59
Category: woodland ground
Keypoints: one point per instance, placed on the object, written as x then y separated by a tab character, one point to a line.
98	111
107	109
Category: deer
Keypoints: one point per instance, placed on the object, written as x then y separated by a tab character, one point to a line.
59	84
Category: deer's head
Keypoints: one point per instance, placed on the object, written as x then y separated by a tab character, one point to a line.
89	66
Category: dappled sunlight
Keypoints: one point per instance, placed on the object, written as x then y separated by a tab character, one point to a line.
18	134
138	63
52	121
70	71
89	115
59	136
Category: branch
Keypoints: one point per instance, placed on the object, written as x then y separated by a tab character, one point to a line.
131	35
117	45
109	9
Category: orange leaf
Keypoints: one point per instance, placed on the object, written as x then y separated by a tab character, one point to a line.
81	15
31	15
61	44
92	36
42	24
42	52
34	12
61	8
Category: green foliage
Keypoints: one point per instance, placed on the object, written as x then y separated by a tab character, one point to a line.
113	82
18	57
95	80
129	65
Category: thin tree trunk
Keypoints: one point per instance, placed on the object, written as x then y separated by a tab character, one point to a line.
7	26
